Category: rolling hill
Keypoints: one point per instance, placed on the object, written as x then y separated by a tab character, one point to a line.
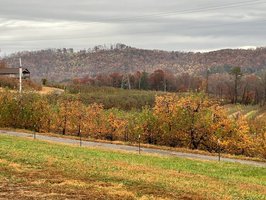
66	64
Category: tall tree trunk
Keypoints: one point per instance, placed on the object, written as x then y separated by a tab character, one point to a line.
244	94
235	98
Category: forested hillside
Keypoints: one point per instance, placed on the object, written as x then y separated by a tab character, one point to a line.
66	64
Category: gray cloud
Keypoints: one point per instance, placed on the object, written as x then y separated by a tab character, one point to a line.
185	25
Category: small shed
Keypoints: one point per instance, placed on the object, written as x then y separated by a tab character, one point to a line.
14	72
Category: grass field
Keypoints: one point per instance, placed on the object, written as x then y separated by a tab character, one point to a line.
249	111
115	97
40	170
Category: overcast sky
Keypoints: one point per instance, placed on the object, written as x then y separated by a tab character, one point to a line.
182	25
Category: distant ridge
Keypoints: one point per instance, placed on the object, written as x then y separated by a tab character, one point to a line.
66	64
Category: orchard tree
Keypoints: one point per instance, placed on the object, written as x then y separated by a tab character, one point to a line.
64	113
239	140
168	115
77	116
145	125
117	128
96	121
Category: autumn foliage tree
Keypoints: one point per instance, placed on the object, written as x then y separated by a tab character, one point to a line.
191	121
96	124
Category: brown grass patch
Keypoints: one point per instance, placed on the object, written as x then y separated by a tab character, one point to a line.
251	187
168	183
14	166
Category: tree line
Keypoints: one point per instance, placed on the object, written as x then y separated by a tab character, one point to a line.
233	86
192	121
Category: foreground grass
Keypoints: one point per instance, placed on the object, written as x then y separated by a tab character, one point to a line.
34	169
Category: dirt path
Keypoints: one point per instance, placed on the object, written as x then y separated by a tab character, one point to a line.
49	90
132	148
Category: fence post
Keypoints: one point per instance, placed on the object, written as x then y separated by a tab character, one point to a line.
80	141
219	150
139	143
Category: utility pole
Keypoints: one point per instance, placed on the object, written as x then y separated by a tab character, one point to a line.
20	76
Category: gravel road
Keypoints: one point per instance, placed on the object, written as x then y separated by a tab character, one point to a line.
132	148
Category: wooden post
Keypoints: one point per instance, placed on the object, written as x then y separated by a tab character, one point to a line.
80	141
34	131
139	143
219	150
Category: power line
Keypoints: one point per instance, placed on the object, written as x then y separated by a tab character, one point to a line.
207	26
177	12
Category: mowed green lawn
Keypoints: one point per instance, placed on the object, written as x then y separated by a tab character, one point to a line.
40	170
